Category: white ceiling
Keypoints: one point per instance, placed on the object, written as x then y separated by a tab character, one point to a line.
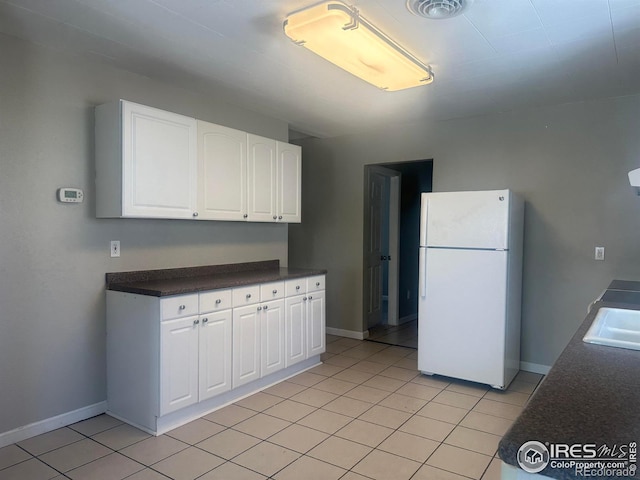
500	55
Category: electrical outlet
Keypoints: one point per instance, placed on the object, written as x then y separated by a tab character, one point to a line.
599	253
115	248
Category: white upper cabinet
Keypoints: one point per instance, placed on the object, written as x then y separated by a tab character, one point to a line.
289	182
222	172
262	179
156	164
146	164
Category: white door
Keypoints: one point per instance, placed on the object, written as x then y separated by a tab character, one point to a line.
215	353
462	312
289	183
159	163
296	336
373	250
315	323
178	364
466	219
246	345
272	337
261	179
222	172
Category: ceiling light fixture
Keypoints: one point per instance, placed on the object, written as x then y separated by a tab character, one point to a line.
339	34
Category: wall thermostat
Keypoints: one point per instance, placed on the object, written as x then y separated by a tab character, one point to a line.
70	195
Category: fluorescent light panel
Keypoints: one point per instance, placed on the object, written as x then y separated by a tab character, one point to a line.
340	35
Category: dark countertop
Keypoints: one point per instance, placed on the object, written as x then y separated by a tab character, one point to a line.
177	281
590	395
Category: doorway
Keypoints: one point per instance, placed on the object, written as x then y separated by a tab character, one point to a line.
390	249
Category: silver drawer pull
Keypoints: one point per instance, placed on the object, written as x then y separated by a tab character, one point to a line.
196	322
275	292
248	296
259	308
218	301
205	320
304	298
310	297
317	284
279	217
182	307
297	287
265	307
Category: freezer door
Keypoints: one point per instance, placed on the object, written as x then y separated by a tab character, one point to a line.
462	315
465	219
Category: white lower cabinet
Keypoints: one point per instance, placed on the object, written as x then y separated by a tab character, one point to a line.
246	345
215	354
305	326
272	333
178	364
315	323
173	359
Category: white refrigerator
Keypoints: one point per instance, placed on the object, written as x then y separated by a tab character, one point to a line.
470	285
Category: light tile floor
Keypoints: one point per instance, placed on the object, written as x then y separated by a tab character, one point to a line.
404	335
365	413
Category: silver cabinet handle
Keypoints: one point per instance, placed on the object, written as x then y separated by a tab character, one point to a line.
304	298
280	217
275	292
259	308
248	296
245	216
196	321
265	307
218	301
195	214
205	320
297	287
317	284
182	307
275	218
310	297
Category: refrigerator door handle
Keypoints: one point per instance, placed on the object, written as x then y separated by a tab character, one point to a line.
424	216
423	272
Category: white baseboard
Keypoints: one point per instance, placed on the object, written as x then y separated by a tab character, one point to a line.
535	368
53	423
339	332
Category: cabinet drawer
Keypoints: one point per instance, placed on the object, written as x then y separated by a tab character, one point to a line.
295	286
215	300
246	295
179	306
315	283
271	291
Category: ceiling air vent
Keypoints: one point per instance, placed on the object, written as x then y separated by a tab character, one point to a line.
436	9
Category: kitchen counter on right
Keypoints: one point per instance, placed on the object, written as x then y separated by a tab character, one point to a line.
590	399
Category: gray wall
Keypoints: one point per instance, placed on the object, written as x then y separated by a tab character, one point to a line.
570	163
53	256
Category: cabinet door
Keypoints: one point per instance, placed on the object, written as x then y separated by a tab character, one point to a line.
159	163
178	364
272	337
289	182
246	345
316	323
261	179
295	330
215	354
222	172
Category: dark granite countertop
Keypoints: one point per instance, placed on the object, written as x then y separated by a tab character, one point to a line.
177	281
590	395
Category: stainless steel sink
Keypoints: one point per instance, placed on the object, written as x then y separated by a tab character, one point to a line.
615	327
